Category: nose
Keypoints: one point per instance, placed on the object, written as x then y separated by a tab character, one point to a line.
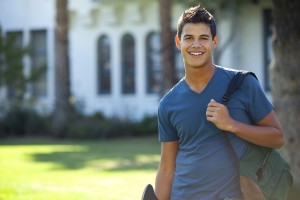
196	43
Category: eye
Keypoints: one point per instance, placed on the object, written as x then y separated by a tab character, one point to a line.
188	38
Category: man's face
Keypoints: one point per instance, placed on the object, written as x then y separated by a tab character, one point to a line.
196	45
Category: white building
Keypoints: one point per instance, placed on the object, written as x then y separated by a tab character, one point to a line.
114	49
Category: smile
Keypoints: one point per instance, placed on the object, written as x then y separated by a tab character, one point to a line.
196	53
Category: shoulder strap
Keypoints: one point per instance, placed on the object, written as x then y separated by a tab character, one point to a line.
235	83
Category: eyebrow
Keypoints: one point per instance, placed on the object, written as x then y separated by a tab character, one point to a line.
203	35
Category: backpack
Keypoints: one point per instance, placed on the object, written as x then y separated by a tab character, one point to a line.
263	166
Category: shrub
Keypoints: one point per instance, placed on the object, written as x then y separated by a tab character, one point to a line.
97	126
20	121
84	128
148	125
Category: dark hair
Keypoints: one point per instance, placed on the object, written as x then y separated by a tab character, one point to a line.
196	14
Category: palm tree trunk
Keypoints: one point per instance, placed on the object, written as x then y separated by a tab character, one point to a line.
285	71
62	81
167	40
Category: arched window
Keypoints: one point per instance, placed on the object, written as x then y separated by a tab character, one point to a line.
128	64
104	65
153	63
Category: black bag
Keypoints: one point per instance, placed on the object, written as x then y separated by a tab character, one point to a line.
263	165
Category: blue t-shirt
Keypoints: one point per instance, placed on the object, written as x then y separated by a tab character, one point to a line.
205	167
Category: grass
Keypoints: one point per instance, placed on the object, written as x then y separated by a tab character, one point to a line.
50	169
42	169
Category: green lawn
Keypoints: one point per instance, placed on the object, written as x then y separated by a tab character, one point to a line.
54	169
41	169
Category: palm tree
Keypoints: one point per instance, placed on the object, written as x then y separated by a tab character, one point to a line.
285	71
63	107
167	41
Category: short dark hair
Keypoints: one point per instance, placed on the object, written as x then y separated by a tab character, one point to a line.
197	14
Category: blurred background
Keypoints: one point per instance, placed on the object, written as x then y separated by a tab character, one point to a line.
96	69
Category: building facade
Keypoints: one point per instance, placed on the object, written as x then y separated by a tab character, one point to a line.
115	57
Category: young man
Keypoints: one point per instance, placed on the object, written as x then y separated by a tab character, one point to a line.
196	163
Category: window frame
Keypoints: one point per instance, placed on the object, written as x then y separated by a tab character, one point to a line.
128	56
104	80
39	58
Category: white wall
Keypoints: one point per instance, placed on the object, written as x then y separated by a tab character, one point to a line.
84	56
246	51
91	19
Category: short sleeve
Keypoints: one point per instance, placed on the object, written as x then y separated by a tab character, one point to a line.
166	132
258	105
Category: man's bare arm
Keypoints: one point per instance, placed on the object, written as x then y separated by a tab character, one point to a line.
268	132
165	173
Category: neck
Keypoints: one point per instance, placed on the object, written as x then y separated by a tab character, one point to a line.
198	78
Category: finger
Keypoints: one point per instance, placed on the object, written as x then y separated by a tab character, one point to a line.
210	118
212	103
209	113
211	108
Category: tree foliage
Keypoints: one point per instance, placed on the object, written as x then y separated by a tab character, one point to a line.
12	76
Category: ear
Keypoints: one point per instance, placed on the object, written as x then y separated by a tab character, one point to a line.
177	41
215	41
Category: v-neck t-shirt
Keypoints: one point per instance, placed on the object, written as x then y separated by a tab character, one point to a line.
205	167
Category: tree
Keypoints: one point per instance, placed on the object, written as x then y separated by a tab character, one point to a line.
63	108
167	41
285	73
12	76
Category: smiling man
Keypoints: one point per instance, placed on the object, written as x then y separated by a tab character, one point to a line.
196	163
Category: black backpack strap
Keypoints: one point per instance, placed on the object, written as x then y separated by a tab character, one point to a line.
235	83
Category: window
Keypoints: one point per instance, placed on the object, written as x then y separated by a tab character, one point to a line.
16	61
268	54
104	65
128	64
153	63
39	60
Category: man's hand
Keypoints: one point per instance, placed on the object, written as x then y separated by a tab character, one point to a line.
218	114
267	132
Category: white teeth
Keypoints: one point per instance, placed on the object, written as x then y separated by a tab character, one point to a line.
196	53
